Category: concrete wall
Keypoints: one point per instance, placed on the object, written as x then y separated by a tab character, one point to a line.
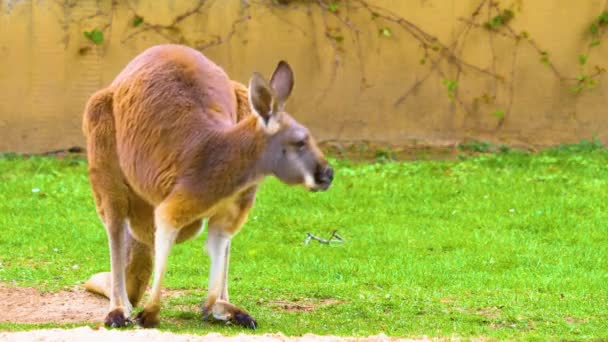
48	68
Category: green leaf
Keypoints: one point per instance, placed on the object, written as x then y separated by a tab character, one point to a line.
603	19
332	7
501	19
594	28
507	15
578	88
591	83
499	114
595	43
137	20
452	86
336	37
544	58
95	35
385	31
582	59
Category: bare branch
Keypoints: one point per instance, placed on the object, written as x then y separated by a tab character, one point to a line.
161	29
335	237
228	36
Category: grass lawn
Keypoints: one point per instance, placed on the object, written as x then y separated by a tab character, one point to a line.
505	245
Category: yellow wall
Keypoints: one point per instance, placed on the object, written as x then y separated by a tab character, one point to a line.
48	68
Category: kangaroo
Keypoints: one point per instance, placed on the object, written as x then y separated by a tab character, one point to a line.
172	141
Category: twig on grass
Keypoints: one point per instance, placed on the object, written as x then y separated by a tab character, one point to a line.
335	237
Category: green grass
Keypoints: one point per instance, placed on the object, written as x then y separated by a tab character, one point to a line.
507	245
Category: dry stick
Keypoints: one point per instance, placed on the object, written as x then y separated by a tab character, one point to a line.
454	47
334	236
464	34
461	39
456	97
334	46
511	88
283	19
356	36
228	36
540	51
159	28
346	22
426	39
418	83
491	42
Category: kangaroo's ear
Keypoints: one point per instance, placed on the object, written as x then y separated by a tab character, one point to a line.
282	82
262	99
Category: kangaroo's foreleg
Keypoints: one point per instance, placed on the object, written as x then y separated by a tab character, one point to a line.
217	303
221	229
218	247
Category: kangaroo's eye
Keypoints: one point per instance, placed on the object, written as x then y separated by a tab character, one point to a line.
300	144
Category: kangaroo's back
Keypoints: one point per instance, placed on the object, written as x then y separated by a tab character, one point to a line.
167	102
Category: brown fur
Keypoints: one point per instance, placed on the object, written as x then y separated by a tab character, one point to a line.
172	139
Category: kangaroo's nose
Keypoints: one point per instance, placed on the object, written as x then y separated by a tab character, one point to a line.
329	173
325	175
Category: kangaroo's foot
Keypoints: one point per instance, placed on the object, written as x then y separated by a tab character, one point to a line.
148	318
117	319
227	312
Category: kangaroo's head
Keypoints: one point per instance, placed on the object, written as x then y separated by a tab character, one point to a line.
292	153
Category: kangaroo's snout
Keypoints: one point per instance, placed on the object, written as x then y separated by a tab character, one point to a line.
323	177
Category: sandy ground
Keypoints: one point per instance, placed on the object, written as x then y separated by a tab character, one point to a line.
27	305
89	335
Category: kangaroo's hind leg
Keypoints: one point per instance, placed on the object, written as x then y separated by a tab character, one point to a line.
138	239
137	272
111	197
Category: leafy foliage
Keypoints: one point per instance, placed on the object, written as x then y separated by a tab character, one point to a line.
95	36
499	20
137	20
451	86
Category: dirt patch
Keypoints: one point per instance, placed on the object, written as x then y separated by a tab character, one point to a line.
574	320
28	305
300	305
152	335
491	312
